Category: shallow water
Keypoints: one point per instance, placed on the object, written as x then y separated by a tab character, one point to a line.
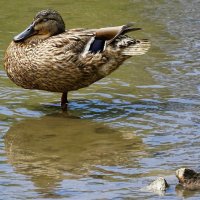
139	123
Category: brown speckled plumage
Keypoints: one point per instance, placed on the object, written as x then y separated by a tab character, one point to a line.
188	178
57	63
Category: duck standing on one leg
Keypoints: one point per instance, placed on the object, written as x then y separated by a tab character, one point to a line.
45	56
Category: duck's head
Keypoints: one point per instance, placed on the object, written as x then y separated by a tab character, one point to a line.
45	24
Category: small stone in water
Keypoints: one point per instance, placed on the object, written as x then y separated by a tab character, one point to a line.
159	186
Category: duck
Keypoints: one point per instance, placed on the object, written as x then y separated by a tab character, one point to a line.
48	56
188	178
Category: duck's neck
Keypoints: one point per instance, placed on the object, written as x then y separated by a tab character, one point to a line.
35	39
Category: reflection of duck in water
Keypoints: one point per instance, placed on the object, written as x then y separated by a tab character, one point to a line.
45	56
54	148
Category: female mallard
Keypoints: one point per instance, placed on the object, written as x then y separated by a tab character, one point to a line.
45	56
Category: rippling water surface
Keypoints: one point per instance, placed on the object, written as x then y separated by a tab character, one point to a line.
141	122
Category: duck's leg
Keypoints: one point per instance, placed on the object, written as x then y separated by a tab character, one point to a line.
64	101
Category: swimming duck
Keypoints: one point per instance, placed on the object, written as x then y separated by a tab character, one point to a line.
46	56
188	178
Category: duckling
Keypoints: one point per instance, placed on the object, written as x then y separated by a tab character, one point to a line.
47	56
188	178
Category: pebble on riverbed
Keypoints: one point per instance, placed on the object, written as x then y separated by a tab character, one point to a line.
188	178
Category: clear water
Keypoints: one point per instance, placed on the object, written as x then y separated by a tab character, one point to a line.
141	122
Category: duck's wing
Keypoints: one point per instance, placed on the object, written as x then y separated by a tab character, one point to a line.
111	33
72	41
96	40
82	42
115	37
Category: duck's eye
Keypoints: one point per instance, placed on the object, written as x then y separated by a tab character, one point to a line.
45	19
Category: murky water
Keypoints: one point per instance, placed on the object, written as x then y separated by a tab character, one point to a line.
141	122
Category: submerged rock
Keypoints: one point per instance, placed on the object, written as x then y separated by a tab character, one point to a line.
159	186
188	178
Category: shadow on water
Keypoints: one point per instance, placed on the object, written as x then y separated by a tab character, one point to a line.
53	148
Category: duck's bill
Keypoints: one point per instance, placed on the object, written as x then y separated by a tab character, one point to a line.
25	34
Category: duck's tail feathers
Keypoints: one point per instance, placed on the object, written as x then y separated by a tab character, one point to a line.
129	27
122	30
140	47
